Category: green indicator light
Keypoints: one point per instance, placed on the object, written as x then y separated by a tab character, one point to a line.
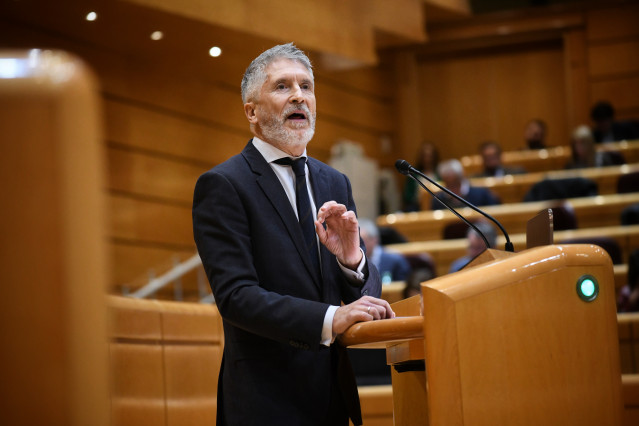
587	288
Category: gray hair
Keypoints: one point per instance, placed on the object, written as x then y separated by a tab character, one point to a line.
488	230
582	133
255	74
453	166
369	228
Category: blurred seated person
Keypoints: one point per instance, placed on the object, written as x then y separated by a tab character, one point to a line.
414	280
584	151
452	173
628	296
490	152
535	134
369	365
427	161
391	266
607	129
476	244
630	215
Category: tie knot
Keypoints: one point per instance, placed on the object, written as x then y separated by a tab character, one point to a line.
297	165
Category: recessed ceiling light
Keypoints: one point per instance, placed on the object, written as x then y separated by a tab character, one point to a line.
215	51
91	16
157	35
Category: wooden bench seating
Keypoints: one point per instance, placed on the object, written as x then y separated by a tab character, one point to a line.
444	252
513	188
165	359
553	158
603	210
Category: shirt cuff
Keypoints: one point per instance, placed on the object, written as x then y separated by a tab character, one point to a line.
357	275
327	328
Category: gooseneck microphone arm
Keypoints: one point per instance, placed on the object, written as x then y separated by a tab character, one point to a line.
455	212
406	169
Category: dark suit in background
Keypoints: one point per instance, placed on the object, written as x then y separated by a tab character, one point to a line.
476	195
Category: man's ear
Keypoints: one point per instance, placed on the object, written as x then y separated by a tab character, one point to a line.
249	111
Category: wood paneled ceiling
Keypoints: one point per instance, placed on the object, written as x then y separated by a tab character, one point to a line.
337	34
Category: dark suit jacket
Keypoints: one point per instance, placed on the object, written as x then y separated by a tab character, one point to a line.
393	263
515	170
477	196
621	130
274	369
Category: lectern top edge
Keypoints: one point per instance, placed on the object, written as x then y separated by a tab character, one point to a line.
521	266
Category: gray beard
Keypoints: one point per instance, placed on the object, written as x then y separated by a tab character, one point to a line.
273	129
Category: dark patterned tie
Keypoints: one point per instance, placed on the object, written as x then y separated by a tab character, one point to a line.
305	212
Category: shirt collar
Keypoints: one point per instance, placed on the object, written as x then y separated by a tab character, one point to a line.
269	152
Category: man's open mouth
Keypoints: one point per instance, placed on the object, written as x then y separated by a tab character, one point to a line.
297	115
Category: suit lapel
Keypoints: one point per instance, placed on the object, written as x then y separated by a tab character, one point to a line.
272	188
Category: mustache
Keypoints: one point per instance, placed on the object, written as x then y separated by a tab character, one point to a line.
293	108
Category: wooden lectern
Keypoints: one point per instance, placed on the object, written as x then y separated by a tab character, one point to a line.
513	339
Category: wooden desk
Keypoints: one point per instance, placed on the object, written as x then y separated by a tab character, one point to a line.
513	188
553	158
444	252
603	210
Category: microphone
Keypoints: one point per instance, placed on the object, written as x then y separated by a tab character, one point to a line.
405	168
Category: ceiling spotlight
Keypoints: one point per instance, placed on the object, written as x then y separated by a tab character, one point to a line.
91	16
215	51
157	35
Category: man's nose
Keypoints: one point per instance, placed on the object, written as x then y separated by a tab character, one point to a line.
297	95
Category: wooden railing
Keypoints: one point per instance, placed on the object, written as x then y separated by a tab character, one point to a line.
602	210
553	158
444	252
513	188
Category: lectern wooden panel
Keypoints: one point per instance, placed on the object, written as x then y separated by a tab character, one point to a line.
513	339
53	362
515	342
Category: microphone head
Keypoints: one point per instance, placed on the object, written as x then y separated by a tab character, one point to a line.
402	166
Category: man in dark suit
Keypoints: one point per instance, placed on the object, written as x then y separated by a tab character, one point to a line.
490	152
280	287
452	173
607	129
391	266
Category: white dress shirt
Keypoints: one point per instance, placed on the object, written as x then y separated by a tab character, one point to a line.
287	179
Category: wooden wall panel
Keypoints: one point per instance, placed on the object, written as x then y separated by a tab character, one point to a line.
613	22
140	174
614	58
622	92
171	134
162	90
150	222
576	75
374	82
462	108
352	107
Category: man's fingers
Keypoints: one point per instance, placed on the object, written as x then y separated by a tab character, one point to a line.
380	305
330	208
